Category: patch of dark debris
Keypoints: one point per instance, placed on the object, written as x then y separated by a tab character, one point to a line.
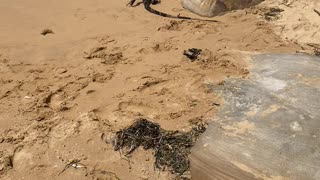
171	148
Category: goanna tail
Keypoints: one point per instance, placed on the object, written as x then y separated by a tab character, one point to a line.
153	11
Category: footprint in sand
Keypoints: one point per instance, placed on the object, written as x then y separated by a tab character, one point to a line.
136	108
62	131
55	101
23	160
86	122
159	47
80	14
4	68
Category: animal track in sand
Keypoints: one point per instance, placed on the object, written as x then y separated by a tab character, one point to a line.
80	14
62	99
107	52
149	82
56	101
172	26
164	46
106	57
191	27
22	160
63	131
136	108
227	62
4	68
102	77
67	128
159	47
102	174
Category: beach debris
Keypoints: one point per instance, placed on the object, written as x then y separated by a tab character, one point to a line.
75	164
46	31
192	53
141	133
171	147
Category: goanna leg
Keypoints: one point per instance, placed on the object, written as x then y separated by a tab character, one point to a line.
153	2
131	2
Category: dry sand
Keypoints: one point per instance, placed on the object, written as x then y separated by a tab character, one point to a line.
299	22
106	65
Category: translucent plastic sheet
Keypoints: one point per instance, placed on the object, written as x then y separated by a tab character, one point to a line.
269	125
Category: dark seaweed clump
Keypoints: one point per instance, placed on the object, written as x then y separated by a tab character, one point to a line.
172	148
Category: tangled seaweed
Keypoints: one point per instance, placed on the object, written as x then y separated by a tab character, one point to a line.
172	148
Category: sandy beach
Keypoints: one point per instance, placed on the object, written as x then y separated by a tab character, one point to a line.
105	64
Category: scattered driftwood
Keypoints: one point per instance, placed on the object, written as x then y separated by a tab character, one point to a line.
171	147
